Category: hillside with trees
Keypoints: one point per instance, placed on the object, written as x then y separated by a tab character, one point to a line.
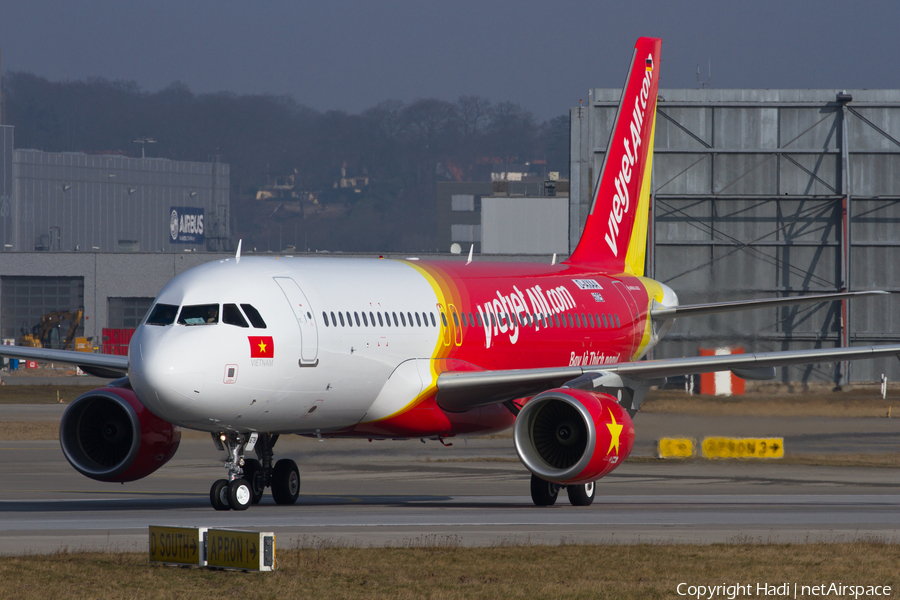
390	156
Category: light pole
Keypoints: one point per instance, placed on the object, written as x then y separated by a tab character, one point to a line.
143	142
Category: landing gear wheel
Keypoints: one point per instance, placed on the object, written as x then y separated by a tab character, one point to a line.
285	482
254	475
218	495
239	494
581	495
543	493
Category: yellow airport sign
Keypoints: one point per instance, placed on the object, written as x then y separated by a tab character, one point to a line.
177	545
244	550
726	447
676	447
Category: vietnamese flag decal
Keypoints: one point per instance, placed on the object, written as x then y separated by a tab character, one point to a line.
261	346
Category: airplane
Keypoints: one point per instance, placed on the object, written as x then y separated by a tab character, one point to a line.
256	347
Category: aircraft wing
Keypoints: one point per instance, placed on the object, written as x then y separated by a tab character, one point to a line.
100	365
463	390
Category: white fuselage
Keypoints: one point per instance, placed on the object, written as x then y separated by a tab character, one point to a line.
207	376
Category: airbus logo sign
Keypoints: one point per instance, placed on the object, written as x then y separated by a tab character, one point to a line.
186	225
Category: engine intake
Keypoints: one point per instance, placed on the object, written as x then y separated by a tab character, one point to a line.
572	436
108	435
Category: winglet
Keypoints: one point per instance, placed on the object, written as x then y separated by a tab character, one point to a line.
237	255
471	250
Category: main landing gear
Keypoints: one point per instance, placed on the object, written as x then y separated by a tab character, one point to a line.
544	493
248	478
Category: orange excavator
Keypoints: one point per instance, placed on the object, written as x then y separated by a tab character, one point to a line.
41	335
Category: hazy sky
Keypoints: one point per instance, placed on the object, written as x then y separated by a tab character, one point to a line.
352	54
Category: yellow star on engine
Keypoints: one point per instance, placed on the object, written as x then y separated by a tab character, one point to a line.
262	347
615	432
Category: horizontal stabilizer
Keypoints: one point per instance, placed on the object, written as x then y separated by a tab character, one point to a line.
694	310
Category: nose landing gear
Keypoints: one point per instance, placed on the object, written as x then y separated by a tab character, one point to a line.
248	479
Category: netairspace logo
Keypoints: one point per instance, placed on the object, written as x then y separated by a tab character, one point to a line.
781	590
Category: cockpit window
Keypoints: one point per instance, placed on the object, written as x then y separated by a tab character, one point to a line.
199	314
232	316
162	314
255	319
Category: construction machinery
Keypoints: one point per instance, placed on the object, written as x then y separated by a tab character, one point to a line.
47	333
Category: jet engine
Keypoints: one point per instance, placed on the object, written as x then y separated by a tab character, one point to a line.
572	436
108	435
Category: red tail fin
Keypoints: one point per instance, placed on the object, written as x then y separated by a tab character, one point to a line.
615	234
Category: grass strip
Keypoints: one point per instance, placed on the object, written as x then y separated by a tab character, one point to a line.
41	394
850	404
447	571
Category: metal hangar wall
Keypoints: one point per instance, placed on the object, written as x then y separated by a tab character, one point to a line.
760	193
69	201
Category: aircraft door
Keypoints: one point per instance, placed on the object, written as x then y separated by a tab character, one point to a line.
306	320
633	310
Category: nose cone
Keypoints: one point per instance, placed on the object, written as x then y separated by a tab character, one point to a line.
165	374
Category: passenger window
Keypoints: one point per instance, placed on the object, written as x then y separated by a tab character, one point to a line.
380	321
409	318
403	319
232	316
618	325
255	319
455	320
433	323
387	317
418	320
162	314
478	319
341	315
365	320
372	318
325	318
356	318
591	320
396	322
349	319
199	314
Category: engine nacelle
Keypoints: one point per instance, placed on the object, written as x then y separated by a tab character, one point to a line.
571	436
108	435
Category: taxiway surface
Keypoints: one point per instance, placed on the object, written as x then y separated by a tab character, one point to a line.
473	493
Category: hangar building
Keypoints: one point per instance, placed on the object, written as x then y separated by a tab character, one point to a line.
101	233
69	201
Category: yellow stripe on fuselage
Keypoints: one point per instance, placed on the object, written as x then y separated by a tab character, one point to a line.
654	292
